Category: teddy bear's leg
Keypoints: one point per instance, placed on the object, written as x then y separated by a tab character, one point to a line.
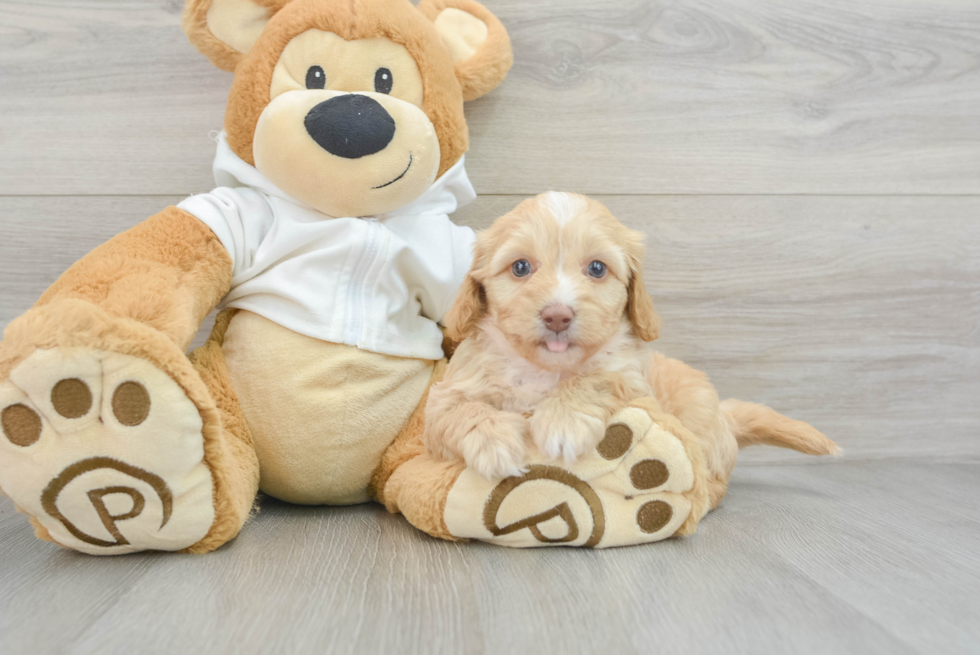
111	440
110	452
646	481
232	457
412	483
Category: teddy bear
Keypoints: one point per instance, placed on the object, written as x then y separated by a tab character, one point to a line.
328	245
328	250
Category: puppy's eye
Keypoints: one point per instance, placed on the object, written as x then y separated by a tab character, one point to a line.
521	268
383	80
597	269
315	78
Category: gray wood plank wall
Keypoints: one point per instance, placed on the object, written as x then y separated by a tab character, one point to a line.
607	96
807	174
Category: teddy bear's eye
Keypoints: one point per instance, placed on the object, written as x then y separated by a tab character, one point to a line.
597	269
315	78
383	80
521	268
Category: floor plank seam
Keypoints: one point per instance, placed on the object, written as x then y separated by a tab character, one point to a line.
611	194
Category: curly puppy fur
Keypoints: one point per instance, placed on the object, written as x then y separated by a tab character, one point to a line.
553	318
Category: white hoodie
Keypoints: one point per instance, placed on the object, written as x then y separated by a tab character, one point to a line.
380	284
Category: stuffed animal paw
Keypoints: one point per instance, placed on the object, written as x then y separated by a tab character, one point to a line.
105	450
642	483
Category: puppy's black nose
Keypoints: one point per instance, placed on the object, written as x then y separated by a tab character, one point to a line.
557	318
350	126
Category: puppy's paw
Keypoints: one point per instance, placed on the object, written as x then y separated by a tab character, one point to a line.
495	447
559	431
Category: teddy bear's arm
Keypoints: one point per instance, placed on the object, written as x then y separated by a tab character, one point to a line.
168	273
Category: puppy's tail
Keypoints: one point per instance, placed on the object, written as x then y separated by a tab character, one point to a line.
752	424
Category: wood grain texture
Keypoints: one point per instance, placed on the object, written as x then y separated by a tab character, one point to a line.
606	96
839	281
846	558
857	314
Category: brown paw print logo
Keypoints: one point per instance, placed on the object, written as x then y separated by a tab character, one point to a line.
72	399
562	511
49	498
617	494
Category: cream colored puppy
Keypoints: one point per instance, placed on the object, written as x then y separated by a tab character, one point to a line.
553	317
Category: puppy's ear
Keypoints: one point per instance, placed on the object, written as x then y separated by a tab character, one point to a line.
470	306
639	305
471	301
477	40
224	30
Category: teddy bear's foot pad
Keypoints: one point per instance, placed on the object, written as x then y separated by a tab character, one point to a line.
105	451
630	490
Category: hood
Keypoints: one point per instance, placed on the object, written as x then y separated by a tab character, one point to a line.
451	191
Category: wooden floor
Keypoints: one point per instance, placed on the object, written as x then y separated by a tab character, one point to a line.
808	177
844	558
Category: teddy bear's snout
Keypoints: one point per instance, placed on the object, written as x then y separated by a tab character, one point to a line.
350	126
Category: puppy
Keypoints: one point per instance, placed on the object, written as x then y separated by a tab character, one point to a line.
553	318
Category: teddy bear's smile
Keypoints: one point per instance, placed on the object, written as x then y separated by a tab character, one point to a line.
399	177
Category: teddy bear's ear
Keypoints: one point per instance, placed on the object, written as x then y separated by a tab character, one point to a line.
477	40
224	30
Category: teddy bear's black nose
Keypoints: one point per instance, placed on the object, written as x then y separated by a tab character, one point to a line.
350	126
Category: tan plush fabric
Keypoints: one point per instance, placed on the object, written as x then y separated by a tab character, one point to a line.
397	20
638	486
298	165
464	33
116	463
167	273
221	15
707	488
237	23
484	69
81	327
419	489
414	485
645	482
235	464
348	66
321	415
143	294
407	445
292	161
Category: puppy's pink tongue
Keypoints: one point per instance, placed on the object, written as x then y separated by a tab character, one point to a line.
557	346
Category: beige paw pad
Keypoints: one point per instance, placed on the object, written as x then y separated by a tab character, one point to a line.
106	451
629	491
